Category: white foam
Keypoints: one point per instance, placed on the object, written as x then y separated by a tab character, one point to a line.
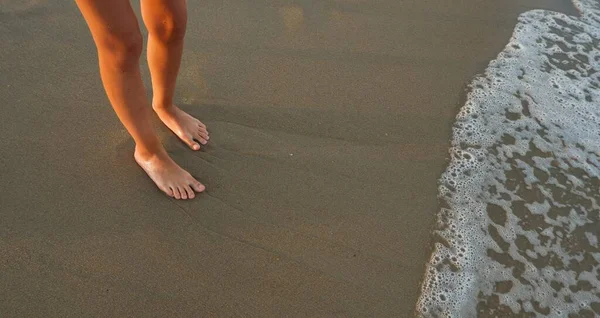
519	229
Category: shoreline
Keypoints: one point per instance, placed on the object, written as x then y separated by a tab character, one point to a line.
330	127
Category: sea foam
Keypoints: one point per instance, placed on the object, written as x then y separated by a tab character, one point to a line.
519	225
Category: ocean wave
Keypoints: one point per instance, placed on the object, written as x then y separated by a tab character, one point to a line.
519	224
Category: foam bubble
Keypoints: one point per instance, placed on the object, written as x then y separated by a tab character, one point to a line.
518	234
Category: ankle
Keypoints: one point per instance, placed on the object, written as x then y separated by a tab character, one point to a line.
149	153
162	106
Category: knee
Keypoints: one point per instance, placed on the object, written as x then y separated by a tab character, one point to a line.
169	30
122	50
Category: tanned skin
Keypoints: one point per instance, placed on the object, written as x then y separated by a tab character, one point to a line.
119	42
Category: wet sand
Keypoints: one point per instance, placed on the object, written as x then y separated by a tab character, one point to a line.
329	121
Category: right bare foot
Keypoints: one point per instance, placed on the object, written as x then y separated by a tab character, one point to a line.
168	175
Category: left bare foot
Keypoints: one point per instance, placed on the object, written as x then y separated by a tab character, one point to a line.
182	124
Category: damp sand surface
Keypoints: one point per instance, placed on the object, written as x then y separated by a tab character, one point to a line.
330	125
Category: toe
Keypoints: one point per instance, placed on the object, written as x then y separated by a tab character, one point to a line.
190	192
201	125
203	133
184	195
191	143
203	138
197	186
176	193
168	191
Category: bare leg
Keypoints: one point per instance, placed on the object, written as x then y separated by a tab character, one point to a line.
166	22
116	33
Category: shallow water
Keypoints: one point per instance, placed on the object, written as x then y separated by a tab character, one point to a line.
519	224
